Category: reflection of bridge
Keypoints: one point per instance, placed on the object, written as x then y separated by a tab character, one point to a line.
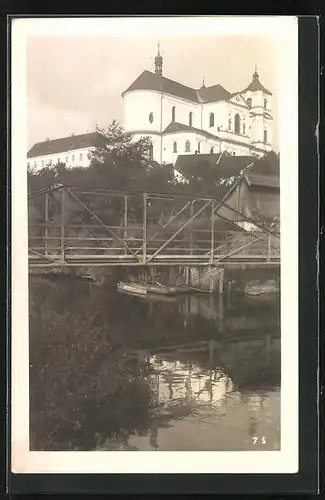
71	226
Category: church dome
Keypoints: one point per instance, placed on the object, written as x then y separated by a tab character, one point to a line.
256	85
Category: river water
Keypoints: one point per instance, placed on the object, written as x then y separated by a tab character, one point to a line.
111	371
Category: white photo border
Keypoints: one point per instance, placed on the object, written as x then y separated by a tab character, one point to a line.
285	29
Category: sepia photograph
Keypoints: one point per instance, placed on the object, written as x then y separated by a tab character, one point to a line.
154	166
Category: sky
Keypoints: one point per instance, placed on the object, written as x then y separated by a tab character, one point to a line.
75	83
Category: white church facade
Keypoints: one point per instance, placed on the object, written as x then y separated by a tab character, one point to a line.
182	120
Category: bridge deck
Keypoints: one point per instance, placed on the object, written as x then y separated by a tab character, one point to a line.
160	260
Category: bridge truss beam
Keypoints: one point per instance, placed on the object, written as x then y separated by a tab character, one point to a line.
71	226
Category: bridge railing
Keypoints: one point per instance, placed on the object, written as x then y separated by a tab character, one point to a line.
145	229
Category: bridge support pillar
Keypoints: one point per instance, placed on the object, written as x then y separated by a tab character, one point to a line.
211	280
221	280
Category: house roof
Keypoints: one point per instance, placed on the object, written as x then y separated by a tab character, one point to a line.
263	180
268	166
261	172
222	166
63	144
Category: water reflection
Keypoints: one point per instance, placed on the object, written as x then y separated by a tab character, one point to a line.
116	372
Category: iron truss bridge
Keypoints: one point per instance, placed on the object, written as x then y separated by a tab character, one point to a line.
77	226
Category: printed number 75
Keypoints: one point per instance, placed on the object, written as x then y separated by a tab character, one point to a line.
255	440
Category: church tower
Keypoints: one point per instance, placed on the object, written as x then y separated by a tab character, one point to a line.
158	62
258	99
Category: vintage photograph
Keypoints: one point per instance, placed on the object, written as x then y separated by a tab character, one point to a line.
153	166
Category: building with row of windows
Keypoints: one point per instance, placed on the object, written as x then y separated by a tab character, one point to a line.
183	120
73	151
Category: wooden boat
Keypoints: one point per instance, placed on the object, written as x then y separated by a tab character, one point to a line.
156	297
257	289
149	288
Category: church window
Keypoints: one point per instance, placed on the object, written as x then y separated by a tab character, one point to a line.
35	164
211	120
190	119
198	147
173	113
249	102
150	117
174	147
229	122
237	124
42	164
67	159
244	128
28	165
265	136
151	152
80	157
265	103
187	146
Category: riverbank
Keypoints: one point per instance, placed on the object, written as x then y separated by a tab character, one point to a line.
217	280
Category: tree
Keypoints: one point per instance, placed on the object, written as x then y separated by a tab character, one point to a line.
119	159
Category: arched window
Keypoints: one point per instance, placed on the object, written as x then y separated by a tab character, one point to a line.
80	157
35	164
212	150
244	128
237	124
249	102
174	147
190	119
187	146
173	113
67	159
42	164
73	158
199	147
229	122
151	152
265	136
28	165
150	117
211	120
265	103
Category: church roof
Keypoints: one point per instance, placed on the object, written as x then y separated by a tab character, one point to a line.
53	146
181	127
256	85
214	93
175	127
150	81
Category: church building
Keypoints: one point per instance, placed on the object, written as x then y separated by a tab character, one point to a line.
184	120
